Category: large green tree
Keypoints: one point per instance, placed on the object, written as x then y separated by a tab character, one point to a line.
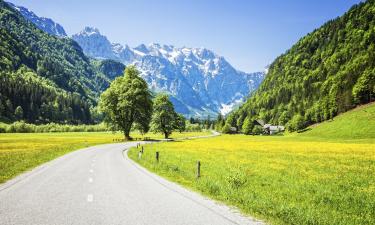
164	118
180	123
127	103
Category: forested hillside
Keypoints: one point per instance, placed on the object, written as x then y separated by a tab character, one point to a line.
327	72
71	84
25	95
108	70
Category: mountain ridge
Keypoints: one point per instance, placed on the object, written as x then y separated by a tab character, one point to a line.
197	78
199	81
45	24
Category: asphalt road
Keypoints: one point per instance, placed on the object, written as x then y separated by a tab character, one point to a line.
101	185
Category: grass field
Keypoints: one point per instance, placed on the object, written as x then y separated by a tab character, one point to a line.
317	177
20	152
357	124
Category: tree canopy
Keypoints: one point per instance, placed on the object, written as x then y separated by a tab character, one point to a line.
164	119
127	103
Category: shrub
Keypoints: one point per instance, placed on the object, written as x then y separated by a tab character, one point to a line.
226	129
297	123
22	127
192	127
257	129
247	126
3	128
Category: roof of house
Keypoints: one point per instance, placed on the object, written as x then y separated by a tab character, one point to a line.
260	122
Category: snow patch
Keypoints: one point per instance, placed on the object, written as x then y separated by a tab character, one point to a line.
227	108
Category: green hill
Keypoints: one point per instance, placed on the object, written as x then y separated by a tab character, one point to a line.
358	123
327	72
47	78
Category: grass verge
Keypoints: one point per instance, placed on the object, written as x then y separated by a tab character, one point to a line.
283	180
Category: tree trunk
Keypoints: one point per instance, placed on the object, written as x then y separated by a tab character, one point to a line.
166	135
127	136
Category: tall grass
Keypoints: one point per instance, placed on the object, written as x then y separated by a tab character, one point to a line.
322	176
282	180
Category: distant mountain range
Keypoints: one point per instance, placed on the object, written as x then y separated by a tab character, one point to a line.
200	81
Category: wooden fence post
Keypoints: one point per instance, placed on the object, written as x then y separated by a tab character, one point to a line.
157	156
198	169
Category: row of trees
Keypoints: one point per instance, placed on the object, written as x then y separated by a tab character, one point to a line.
205	124
128	104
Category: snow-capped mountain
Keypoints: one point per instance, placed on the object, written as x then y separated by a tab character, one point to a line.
199	81
42	23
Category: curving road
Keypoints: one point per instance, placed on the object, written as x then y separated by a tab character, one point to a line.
101	185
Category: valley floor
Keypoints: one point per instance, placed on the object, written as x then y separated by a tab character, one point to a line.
282	179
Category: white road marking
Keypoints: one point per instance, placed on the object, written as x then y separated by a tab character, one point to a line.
91	180
90	198
91	170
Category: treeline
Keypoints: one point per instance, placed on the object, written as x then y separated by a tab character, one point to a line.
22	127
326	73
26	96
199	124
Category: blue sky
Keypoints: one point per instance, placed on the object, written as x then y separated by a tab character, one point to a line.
249	33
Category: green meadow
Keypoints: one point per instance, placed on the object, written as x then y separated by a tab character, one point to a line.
322	176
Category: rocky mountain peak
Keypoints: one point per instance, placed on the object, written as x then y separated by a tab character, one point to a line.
200	82
88	31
